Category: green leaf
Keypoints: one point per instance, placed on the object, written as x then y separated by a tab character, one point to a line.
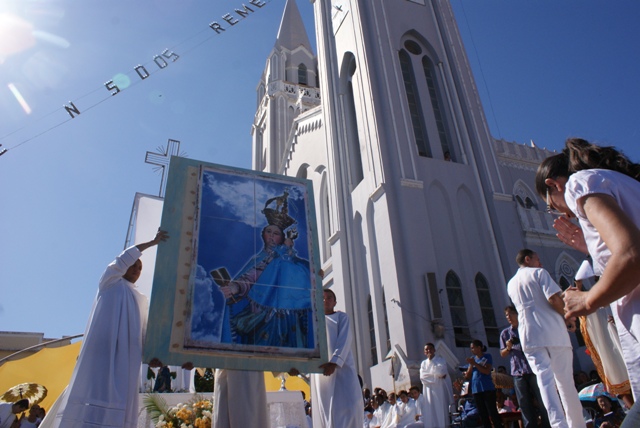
155	406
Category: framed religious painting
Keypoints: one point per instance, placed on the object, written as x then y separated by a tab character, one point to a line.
236	286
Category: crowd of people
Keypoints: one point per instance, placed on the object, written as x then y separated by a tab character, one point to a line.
598	186
30	415
478	402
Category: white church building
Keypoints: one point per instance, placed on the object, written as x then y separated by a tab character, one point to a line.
420	210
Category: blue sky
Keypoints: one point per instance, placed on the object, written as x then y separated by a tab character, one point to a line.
546	70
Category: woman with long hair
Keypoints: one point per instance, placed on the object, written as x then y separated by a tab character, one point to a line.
599	186
482	387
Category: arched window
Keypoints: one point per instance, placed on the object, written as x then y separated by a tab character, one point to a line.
302	171
372	333
427	102
261	92
524	196
531	218
528	203
486	309
302	75
415	107
325	218
273	69
457	310
427	66
386	320
347	73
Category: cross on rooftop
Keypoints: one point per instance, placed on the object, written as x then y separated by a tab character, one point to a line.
162	161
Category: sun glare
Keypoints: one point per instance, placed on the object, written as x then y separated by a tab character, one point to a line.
16	35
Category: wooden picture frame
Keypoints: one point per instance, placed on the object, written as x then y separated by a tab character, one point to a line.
236	286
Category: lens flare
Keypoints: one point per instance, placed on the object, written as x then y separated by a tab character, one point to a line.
20	98
58	41
122	81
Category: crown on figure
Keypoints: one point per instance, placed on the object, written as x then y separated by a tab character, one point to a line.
279	215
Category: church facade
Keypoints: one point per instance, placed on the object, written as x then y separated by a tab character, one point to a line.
420	210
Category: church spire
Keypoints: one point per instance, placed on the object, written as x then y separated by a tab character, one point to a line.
292	33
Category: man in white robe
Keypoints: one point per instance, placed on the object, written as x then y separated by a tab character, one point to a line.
406	410
103	391
384	413
437	389
420	405
336	395
239	399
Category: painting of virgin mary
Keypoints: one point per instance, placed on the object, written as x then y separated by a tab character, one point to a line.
253	281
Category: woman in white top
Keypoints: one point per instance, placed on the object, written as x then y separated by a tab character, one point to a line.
599	186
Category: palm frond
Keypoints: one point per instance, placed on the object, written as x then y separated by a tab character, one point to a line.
155	406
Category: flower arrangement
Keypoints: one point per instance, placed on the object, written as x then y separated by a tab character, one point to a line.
194	414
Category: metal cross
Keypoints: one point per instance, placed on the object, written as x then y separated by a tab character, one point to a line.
162	161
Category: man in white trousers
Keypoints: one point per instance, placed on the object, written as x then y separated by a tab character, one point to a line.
545	339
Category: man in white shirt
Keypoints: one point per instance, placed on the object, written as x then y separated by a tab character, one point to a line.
545	340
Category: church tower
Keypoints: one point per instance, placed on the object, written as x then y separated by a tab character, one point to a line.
415	204
288	87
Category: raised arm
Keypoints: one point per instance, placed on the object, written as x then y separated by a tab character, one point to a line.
161	235
125	260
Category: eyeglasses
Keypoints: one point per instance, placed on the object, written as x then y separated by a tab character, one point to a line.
550	209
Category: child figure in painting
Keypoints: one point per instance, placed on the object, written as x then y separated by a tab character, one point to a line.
270	300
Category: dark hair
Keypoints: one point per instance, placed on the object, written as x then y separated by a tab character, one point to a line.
578	155
24	403
429	344
330	291
414	388
478	343
523	254
510	308
608	399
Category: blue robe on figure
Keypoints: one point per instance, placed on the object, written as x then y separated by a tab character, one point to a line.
275	301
